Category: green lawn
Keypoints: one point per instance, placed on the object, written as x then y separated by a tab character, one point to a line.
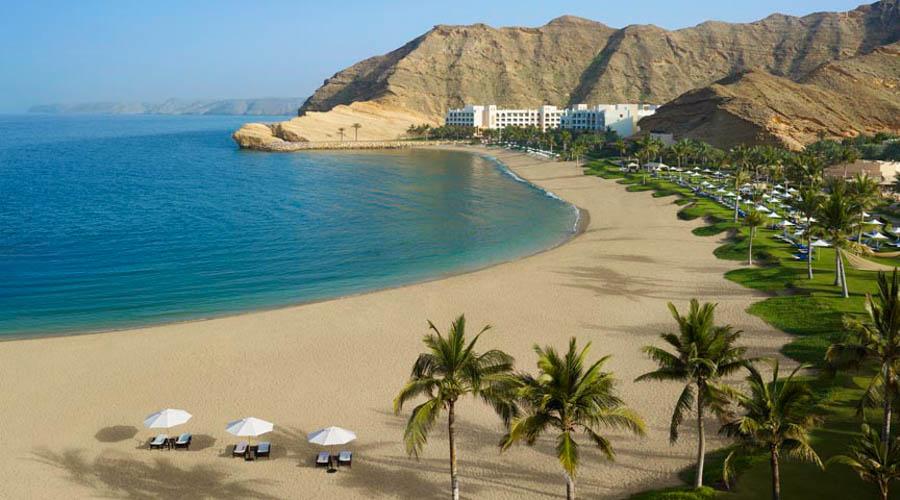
813	312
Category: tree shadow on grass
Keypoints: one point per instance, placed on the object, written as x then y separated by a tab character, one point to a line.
121	477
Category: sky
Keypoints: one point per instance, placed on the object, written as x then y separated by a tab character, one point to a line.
86	51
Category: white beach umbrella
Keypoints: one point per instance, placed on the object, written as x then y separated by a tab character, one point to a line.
866	214
874	222
249	427
164	419
877	236
331	436
821	244
786	223
773	215
720	190
763	209
729	194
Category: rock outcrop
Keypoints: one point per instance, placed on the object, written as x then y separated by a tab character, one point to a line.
377	122
860	95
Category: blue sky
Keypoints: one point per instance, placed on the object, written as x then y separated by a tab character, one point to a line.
55	51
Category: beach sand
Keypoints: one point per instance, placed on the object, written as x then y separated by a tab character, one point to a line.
72	407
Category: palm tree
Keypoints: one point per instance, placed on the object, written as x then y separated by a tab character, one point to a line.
356	128
681	150
702	354
450	369
807	203
740	178
567	396
835	221
753	220
566	139
875	460
777	418
876	340
341	131
648	148
741	157
622	147
864	194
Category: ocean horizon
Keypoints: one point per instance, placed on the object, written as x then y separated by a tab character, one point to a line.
119	221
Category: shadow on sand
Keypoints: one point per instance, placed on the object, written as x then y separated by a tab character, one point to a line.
116	433
129	478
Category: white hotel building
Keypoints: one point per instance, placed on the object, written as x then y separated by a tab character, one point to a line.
622	118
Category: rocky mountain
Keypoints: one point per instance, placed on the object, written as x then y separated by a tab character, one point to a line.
572	60
265	106
840	98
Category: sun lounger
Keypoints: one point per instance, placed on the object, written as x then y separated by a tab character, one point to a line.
183	441
323	459
159	441
345	458
240	449
263	449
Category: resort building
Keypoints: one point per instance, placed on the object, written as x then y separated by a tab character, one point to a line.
885	172
621	118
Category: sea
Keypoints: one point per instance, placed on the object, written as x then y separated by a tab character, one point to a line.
120	221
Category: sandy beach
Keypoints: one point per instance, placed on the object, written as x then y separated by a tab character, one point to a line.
72	406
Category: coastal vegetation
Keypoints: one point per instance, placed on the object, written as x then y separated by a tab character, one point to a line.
838	313
703	353
447	371
566	397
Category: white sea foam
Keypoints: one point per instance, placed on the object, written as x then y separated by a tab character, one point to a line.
550	194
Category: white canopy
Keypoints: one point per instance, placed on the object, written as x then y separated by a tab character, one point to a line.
250	426
877	236
821	244
763	209
874	222
164	419
786	223
773	215
331	436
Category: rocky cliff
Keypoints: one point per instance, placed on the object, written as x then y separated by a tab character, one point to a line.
572	60
838	99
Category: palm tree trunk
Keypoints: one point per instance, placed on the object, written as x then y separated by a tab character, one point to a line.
845	292
776	475
837	266
809	251
886	418
701	440
736	205
750	253
859	230
883	487
454	479
570	487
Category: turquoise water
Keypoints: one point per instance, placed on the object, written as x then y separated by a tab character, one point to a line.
118	221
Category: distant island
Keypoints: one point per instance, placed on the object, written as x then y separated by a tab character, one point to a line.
262	106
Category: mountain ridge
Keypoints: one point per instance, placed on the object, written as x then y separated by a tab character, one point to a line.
450	65
249	107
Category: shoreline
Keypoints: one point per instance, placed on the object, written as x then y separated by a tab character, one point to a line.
582	220
339	362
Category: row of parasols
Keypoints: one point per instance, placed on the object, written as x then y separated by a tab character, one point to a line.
248	427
